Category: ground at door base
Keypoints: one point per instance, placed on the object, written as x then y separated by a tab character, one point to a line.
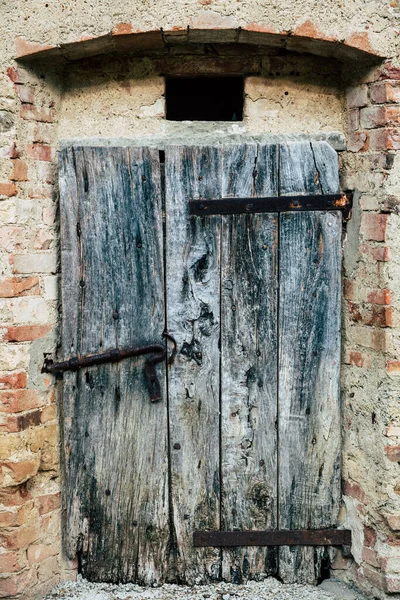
269	589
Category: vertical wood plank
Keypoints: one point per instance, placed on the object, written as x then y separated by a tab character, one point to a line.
115	439
249	361
309	361
193	306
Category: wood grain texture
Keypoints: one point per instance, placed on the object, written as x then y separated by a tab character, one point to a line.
193	307
309	360
249	361
115	439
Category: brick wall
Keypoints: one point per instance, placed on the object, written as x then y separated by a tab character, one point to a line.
30	556
371	330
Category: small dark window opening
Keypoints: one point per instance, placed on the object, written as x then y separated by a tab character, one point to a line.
204	98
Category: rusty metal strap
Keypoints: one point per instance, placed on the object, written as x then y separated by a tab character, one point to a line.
307	537
273	204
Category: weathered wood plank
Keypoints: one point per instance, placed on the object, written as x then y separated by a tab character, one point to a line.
309	359
115	439
193	307
249	361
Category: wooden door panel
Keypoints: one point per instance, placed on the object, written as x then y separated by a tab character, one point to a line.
309	358
115	439
249	361
193	318
247	435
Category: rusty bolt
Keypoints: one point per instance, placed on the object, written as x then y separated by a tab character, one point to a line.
177	446
295	203
261	463
108	493
200	178
198	354
82	283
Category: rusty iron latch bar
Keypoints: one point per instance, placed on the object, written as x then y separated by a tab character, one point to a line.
158	354
272	204
306	537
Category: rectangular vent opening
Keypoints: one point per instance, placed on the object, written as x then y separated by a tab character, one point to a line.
204	98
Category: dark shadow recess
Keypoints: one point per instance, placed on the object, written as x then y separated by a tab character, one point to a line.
204	98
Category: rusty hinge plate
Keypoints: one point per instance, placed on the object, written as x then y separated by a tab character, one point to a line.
307	537
273	204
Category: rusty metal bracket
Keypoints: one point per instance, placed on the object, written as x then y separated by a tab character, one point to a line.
273	204
157	351
306	537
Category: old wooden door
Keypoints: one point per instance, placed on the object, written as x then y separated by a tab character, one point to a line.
247	434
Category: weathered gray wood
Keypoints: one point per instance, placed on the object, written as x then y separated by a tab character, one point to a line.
249	361
115	439
193	318
309	359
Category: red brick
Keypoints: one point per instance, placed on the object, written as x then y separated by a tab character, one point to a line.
19	286
358	142
354	490
25	47
20	170
384	92
379	116
385	139
26	333
393	521
370	557
383	296
10	562
357	96
390	72
19	538
16	380
13	586
369	537
49	502
15	496
373	226
8	189
39	152
393	453
359	360
349	289
17	75
361	41
381	254
18	516
14	473
9	424
393	366
25	93
15	401
32	113
122	29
